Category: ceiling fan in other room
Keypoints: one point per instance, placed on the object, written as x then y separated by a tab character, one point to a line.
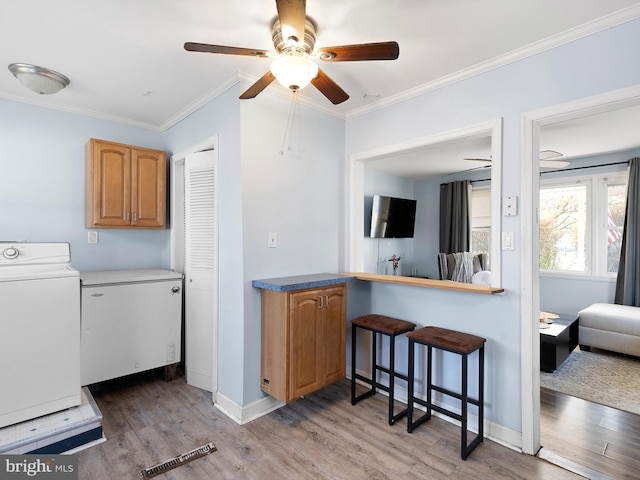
546	161
294	37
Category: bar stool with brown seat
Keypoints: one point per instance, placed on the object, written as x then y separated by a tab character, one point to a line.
464	345
378	325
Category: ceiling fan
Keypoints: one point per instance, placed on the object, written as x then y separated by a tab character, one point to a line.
545	160
294	37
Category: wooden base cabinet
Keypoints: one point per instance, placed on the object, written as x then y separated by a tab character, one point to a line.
125	186
303	340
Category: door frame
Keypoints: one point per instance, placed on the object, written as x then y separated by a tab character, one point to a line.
530	284
177	229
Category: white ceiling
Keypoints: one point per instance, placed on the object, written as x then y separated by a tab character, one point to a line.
126	61
579	138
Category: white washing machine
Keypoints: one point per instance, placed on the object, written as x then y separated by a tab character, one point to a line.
39	330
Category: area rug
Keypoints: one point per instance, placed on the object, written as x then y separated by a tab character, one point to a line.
598	376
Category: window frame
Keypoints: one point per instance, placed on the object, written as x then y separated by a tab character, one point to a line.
596	222
484	190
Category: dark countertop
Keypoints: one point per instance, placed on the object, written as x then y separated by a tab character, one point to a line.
301	282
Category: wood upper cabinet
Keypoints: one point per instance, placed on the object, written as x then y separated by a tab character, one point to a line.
125	186
303	340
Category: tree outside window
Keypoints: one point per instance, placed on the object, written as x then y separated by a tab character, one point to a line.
563	228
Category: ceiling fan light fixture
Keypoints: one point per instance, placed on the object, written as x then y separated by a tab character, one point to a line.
294	71
39	79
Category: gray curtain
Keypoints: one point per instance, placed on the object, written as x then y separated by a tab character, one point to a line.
628	283
455	219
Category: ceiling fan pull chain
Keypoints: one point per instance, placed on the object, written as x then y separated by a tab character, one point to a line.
292	112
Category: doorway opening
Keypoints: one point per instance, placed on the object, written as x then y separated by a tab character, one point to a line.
533	123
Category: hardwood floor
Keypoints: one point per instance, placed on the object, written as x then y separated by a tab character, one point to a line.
601	438
147	421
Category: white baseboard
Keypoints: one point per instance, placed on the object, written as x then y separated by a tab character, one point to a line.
242	414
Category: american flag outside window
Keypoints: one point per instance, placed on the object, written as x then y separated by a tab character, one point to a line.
613	232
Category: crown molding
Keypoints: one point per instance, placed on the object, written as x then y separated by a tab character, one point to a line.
38	102
200	102
584	30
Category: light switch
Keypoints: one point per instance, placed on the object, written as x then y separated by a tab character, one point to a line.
508	242
272	241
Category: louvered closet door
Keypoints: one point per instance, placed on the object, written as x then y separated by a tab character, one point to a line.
201	267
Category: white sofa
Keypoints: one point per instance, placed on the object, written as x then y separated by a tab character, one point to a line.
610	327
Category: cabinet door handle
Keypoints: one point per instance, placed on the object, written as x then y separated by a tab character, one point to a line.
127	216
324	301
135	217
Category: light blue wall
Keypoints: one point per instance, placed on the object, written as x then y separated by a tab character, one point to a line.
599	63
42	187
377	251
297	194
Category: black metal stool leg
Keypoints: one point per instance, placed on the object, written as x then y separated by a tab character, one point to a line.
374	361
465	405
392	345
481	393
410	374
354	329
429	379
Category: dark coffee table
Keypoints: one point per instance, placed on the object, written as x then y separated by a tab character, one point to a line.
557	342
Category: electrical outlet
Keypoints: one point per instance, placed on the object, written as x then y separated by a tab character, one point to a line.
171	352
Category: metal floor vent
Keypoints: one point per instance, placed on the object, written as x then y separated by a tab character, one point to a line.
174	462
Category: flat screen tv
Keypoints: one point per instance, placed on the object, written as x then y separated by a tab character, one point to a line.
392	217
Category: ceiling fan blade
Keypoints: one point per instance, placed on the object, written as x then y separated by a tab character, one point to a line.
471	169
208	48
292	15
358	52
479	159
548	154
329	88
259	86
553	163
